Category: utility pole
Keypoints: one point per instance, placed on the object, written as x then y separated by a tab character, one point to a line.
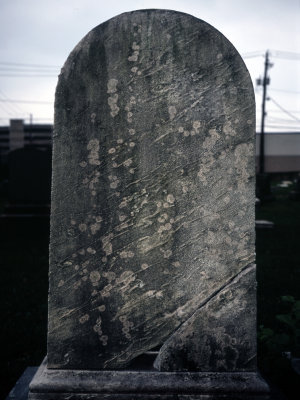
264	83
30	122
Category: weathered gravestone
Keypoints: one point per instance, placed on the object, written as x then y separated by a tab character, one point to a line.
152	226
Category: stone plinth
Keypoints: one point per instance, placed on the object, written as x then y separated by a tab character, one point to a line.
145	385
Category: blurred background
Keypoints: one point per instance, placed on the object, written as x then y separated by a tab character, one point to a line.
36	38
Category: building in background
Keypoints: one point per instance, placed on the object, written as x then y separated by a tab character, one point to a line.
282	152
19	135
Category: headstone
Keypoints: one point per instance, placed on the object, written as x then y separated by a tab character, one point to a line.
152	226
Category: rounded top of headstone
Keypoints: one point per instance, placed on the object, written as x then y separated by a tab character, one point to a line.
161	20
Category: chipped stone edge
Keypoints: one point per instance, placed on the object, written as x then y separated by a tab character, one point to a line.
49	382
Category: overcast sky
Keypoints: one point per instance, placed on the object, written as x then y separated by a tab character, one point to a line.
43	32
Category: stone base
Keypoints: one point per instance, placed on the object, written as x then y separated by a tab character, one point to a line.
50	384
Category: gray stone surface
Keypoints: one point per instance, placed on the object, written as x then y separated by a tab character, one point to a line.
51	384
208	341
152	225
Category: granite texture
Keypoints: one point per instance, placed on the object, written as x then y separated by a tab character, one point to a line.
152	223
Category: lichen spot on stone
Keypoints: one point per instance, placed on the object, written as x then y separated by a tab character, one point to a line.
196	126
102	308
82	227
60	283
226	199
112	86
93	156
83	164
172	112
144	266
126	254
170	199
127	162
95	228
106	244
104	339
135	54
91	250
97	326
166	253
95	276
84	318
176	264
93	118
112	102
114	184
211	140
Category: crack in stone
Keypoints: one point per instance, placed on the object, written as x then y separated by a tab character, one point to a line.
232	280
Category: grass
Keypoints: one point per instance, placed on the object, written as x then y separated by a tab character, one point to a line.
23	294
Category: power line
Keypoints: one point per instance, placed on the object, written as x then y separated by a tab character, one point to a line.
24	70
284	110
285	54
8	100
26	101
15	109
29	65
281	120
5	110
274	53
27	76
253	54
285	91
279	111
282	127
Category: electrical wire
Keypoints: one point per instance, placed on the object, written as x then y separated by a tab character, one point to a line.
8	100
285	54
29	65
252	54
26	101
284	110
27	76
285	91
